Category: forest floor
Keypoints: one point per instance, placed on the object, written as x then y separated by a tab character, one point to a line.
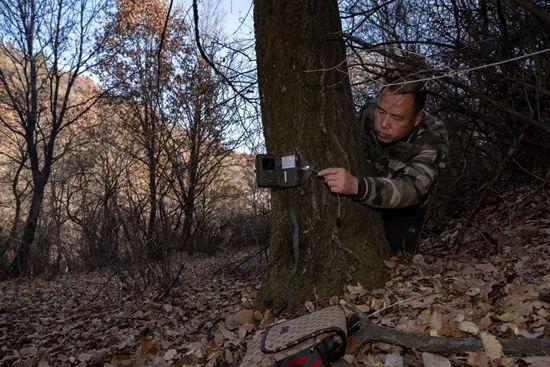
491	278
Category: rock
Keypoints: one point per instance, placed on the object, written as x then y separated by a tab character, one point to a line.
244	317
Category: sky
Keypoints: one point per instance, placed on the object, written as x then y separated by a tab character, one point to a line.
235	11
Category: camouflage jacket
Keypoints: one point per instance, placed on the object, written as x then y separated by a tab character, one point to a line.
406	169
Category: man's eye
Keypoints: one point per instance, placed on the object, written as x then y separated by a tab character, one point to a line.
379	110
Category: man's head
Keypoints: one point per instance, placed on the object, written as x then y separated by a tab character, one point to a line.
399	110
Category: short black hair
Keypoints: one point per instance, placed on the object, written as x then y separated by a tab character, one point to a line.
398	84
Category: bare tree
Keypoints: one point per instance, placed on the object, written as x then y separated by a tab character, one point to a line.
14	165
141	46
48	45
486	63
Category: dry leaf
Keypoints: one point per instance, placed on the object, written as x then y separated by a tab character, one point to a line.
170	354
436	321
528	335
469	327
478	359
244	317
491	345
393	360
435	360
507	317
542	361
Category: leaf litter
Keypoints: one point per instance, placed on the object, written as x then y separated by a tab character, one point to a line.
487	280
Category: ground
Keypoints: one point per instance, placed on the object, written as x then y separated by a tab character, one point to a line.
490	277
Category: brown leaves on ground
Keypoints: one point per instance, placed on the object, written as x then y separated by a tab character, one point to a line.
477	288
473	288
90	320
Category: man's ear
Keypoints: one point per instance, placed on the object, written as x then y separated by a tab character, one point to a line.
418	118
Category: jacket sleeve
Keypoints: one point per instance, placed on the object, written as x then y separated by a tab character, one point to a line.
407	185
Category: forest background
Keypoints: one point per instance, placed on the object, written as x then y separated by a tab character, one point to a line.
129	128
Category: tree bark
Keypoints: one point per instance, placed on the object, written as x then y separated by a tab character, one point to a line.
194	158
307	109
22	263
12	235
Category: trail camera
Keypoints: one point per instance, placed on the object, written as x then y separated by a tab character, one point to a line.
279	171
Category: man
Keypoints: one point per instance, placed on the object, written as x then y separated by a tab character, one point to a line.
407	147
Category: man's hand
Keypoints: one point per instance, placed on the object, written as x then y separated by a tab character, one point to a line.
340	181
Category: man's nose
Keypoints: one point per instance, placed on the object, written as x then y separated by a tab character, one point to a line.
385	122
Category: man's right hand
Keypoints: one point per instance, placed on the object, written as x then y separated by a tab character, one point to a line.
340	180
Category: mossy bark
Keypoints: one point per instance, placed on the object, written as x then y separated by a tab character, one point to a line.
307	108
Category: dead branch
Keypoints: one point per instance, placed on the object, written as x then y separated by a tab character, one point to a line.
440	344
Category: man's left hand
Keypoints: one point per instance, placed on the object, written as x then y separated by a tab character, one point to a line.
340	180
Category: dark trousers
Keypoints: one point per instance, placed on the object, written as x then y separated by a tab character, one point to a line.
402	227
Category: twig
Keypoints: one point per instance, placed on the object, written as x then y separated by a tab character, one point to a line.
207	59
167	289
249	257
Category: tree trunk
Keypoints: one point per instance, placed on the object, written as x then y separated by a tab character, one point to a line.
307	108
188	241
189	210
194	157
12	235
21	265
153	246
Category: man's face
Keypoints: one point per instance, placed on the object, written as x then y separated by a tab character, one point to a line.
394	117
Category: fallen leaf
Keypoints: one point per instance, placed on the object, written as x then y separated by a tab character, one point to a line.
393	360
435	360
507	317
244	317
419	259
478	359
491	345
528	335
435	321
543	361
170	354
348	358
469	327
487	267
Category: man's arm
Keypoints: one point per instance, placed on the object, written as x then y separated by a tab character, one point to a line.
405	187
